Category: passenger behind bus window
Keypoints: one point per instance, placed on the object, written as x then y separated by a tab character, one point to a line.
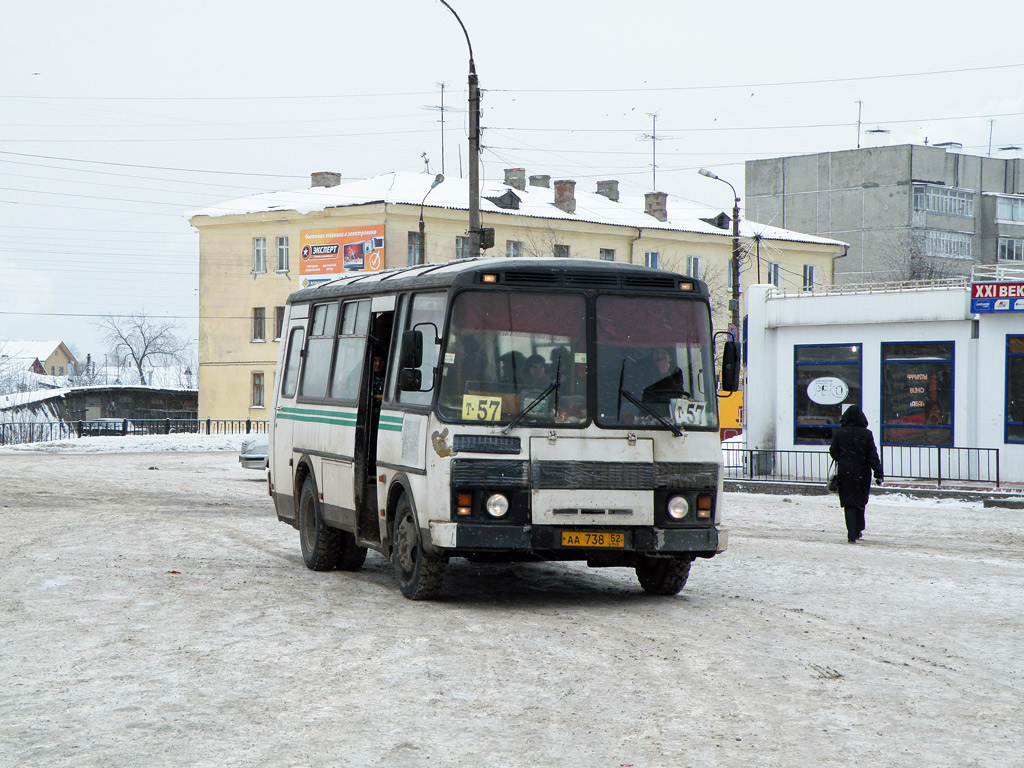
667	381
536	373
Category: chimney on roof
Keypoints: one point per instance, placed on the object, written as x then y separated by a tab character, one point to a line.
565	195
516	178
540	180
609	188
655	204
324	179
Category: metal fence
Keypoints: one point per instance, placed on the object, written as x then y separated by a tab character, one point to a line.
899	462
45	431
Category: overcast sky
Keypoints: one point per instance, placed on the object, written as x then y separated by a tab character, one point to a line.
117	118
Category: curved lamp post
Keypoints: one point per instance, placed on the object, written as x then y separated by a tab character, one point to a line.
474	145
734	302
421	257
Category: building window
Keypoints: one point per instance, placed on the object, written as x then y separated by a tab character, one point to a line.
257	390
513	249
809	279
60	370
1011	249
774	270
607	254
561	251
259	255
259	323
1010	209
826	379
651	259
282	254
917	393
947	245
693	266
943	200
461	247
1015	389
415	249
278	322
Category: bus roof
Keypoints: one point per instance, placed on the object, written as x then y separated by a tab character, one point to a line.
520	272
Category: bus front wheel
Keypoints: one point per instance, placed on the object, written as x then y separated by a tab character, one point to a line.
419	573
662	575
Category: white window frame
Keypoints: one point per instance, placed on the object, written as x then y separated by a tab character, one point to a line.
810	271
693	266
278	322
282	254
414	249
513	249
560	251
651	259
942	244
774	273
259	255
1010	209
462	247
945	201
259	324
1010	249
257	389
606	254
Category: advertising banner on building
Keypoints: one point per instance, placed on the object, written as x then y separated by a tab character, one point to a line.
997	297
329	253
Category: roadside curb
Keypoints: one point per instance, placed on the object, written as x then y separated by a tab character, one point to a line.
990	498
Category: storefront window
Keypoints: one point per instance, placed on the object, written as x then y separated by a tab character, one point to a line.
826	378
917	394
1015	389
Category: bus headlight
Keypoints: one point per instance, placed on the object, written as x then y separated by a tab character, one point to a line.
678	507
497	505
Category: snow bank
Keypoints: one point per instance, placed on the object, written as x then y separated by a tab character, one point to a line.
133	444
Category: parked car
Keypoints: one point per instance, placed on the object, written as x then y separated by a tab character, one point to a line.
254	453
106	427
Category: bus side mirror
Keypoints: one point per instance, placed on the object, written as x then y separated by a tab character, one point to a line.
410	379
412	349
730	367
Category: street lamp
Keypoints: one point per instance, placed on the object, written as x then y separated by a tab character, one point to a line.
734	302
474	146
421	257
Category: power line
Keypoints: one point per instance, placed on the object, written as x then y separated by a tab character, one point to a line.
150	167
825	81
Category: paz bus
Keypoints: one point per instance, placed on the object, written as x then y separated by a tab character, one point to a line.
501	410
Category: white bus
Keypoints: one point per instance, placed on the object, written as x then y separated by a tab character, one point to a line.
500	410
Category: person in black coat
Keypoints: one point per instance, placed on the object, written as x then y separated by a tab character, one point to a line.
856	456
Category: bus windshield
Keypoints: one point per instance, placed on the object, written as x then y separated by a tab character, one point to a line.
516	355
522	358
654	363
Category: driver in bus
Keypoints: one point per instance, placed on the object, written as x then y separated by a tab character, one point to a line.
668	379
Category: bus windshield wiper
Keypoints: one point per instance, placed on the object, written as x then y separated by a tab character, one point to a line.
648	410
552	387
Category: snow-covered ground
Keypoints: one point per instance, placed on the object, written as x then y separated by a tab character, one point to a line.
154	612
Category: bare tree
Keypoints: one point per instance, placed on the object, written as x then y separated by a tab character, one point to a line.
138	340
906	259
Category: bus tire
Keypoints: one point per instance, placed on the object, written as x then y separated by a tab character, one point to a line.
662	575
321	546
419	573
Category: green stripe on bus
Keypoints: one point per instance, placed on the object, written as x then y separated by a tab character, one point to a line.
318	419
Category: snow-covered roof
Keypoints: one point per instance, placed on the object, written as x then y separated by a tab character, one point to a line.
19	399
28	350
402	187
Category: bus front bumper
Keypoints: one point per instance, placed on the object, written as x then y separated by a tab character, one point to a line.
453	538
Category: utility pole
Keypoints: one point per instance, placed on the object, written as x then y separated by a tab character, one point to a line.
860	104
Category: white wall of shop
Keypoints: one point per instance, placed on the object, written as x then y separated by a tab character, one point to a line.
779	322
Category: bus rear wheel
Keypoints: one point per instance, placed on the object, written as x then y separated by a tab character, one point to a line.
662	575
419	573
324	548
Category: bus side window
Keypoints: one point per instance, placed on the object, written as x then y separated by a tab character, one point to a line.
348	359
396	344
424	308
291	364
319	349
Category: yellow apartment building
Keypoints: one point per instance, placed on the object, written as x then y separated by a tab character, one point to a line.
255	251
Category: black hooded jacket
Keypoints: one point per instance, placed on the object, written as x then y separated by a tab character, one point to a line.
856	456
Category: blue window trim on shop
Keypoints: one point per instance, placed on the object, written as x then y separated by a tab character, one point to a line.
882	361
1007	423
796	367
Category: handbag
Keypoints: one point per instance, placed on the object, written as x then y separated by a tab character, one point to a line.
833	479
